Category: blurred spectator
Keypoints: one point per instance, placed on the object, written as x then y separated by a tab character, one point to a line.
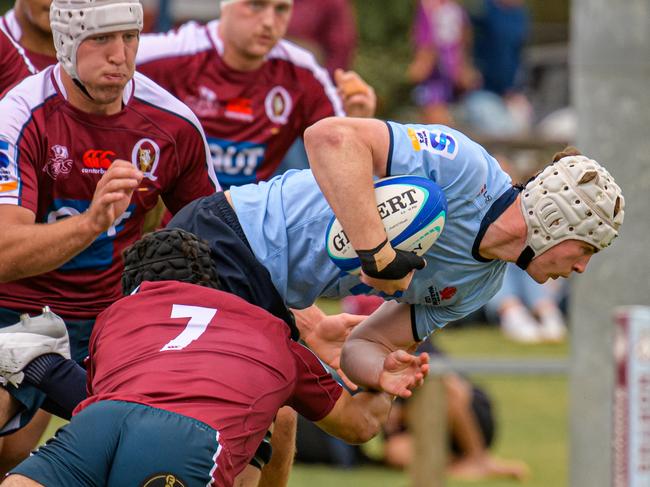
528	312
441	67
327	29
500	32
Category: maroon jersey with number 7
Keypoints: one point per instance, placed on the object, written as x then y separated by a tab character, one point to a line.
208	355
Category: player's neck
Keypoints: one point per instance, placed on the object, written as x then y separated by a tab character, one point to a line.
34	39
80	100
506	237
235	60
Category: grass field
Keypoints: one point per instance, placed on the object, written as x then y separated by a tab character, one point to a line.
531	414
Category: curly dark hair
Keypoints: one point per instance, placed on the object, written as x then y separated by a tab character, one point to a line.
169	255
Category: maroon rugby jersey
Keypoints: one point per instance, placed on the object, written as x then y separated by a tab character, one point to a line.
15	66
51	158
13	29
202	353
250	118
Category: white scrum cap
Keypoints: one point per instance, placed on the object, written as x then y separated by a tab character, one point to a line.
573	198
73	21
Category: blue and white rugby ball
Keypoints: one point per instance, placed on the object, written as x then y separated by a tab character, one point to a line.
413	209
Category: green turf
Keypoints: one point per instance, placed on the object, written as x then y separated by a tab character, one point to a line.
531	411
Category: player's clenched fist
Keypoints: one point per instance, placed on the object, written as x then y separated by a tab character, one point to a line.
112	195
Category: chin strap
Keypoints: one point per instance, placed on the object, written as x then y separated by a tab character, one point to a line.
523	261
82	88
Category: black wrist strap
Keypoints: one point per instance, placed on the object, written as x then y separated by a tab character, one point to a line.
373	251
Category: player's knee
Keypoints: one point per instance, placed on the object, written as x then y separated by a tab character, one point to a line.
328	132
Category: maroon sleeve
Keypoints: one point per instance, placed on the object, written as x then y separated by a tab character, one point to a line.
19	177
195	177
14	68
316	392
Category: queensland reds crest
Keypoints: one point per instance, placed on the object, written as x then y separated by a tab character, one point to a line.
59	163
278	105
145	157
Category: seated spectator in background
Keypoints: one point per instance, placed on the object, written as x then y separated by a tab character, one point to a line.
500	29
471	427
528	312
441	67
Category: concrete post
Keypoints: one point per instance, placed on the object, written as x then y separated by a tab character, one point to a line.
427	422
610	61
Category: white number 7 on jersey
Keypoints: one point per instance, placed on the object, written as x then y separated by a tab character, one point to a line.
199	319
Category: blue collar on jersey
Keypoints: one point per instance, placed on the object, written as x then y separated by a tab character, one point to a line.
495	211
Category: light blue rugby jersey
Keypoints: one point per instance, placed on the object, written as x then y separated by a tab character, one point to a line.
285	220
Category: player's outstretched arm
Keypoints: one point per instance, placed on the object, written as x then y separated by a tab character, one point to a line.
358	418
28	248
325	334
369	359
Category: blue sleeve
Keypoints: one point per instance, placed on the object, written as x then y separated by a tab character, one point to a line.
426	318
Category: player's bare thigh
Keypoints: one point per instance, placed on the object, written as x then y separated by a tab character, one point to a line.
17	446
20	481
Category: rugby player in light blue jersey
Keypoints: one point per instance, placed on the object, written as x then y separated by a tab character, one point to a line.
276	229
551	228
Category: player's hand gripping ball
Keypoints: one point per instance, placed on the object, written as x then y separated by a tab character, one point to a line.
413	210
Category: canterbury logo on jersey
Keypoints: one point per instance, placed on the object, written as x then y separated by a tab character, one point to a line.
98	159
236	163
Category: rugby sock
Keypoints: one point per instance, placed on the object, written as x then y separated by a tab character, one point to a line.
61	379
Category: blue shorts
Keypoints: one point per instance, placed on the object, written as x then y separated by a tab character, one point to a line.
123	444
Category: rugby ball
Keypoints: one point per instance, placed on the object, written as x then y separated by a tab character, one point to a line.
413	209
